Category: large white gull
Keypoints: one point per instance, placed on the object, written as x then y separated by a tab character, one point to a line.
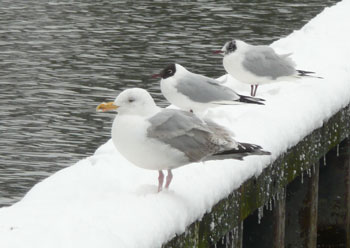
154	138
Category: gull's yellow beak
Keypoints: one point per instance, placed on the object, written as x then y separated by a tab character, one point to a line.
106	106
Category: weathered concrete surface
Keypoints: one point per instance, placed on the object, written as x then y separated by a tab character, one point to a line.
279	222
265	227
301	210
228	213
334	205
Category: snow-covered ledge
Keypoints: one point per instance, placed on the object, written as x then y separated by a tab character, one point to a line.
104	201
227	215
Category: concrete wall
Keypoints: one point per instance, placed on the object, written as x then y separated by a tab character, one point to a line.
297	199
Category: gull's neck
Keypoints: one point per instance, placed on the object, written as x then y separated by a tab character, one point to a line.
145	112
152	110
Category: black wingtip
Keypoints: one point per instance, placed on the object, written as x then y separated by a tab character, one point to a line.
252	100
243	149
303	73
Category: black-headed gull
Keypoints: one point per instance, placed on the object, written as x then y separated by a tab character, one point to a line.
191	91
257	65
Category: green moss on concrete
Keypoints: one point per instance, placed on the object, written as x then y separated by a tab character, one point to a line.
255	192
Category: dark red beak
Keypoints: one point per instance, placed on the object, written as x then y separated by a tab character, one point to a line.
156	75
217	51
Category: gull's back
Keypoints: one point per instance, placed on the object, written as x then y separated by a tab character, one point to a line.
262	61
203	89
187	133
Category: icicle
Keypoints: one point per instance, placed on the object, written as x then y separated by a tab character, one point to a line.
338	150
283	194
233	238
260	213
235	234
302	177
324	160
212	226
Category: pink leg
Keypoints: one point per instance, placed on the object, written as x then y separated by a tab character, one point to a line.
252	90
160	180
169	177
256	88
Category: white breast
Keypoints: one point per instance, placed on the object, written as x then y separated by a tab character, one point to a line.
129	137
233	66
169	91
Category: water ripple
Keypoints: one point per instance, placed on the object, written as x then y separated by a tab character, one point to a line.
59	59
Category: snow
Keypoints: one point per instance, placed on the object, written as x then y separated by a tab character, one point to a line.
104	201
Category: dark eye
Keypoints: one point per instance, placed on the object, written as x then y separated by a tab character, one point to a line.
131	99
232	46
169	71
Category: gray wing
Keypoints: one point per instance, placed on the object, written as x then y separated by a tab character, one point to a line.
263	61
187	133
203	89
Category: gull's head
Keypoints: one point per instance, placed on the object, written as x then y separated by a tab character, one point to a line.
232	46
172	70
167	72
131	101
229	47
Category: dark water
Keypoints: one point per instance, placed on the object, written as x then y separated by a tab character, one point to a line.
59	59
